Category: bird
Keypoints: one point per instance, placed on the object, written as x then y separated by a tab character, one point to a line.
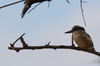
28	4
82	38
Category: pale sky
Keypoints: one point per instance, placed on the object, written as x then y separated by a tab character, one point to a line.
48	24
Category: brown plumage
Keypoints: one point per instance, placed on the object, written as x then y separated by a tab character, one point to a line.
82	39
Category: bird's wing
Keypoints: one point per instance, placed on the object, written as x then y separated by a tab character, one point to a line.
87	37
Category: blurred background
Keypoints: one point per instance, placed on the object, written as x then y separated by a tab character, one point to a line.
45	24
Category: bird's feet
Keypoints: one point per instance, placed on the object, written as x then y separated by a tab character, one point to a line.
73	45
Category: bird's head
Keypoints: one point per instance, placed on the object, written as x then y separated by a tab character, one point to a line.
76	27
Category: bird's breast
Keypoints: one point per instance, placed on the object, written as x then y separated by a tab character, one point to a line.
81	39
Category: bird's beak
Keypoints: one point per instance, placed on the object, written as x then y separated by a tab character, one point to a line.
69	31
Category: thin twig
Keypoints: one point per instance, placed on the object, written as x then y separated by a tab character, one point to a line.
17	40
48	4
11	4
23	42
48	43
35	7
81	5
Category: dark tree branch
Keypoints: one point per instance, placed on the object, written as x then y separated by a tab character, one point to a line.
19	2
28	4
81	5
11	4
52	47
47	46
35	6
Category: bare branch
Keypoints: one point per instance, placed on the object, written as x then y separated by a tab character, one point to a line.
35	6
52	47
47	46
81	5
29	3
11	4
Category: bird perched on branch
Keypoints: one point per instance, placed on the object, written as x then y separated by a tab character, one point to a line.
82	39
28	4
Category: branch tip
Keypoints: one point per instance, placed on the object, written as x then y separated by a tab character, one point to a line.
48	43
18	38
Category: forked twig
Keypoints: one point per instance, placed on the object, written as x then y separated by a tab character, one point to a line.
35	7
12	44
